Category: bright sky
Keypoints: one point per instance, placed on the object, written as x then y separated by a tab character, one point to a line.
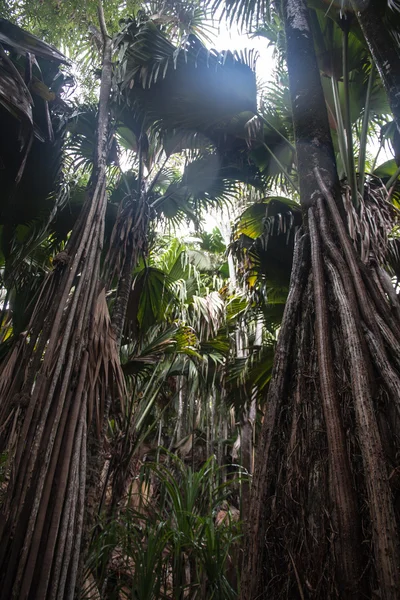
232	39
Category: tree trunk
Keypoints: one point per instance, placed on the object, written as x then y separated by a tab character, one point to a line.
252	414
247	434
129	239
311	126
383	48
328	442
52	389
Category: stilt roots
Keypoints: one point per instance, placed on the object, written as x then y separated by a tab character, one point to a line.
324	513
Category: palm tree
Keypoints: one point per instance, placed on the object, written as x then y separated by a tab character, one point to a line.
43	509
60	377
379	24
325	452
330	415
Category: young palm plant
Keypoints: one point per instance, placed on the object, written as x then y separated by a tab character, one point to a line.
178	543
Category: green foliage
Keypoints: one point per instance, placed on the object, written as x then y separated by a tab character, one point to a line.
64	23
157	344
264	238
179	540
213	241
246	13
186	120
32	155
181	77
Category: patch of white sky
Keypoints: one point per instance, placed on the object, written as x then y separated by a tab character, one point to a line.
230	38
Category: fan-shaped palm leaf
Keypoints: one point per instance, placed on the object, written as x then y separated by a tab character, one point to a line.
188	88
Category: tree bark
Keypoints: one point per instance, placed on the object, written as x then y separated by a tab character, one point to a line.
383	48
321	481
42	514
310	118
131	226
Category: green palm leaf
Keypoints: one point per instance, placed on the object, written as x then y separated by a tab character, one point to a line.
22	42
191	87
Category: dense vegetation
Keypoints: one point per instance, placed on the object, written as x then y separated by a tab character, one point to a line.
186	412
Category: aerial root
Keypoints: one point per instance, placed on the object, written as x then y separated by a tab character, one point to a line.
323	451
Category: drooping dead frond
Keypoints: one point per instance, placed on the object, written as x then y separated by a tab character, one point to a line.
371	223
104	368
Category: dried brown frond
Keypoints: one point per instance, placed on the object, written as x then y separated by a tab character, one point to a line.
371	224
105	374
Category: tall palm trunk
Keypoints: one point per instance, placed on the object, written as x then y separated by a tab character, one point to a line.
129	240
383	48
322	481
247	432
247	418
52	390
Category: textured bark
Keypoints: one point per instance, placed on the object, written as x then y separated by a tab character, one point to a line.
42	514
383	48
310	119
128	240
323	522
246	459
248	431
122	296
132	226
312	496
384	530
253	577
343	493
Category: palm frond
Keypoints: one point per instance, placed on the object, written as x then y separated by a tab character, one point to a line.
23	42
176	339
188	87
245	13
